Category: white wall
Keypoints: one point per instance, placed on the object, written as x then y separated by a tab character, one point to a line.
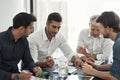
8	9
79	12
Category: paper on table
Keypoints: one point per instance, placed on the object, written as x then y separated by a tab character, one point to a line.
73	77
71	69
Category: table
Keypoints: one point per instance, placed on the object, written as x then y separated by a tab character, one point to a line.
73	74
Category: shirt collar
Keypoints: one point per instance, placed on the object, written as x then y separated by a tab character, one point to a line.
11	37
44	35
118	35
10	34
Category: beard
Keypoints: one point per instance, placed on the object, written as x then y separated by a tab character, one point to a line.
52	34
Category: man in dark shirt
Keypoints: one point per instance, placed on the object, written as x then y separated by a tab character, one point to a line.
14	47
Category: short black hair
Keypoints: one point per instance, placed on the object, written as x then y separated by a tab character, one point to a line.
23	19
109	19
54	17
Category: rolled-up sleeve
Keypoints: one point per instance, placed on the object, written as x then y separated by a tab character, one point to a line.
106	50
66	49
68	53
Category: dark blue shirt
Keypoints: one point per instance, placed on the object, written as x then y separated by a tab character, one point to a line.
11	53
115	68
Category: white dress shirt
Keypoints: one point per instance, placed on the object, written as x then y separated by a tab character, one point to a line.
41	47
99	45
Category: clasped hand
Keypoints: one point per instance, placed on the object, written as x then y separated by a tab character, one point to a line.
49	61
26	75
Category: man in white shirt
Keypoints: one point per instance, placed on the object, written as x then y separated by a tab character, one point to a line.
92	44
43	44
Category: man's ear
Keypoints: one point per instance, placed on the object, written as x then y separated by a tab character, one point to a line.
47	24
108	29
111	29
21	28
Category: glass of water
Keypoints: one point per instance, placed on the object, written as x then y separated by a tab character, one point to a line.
63	68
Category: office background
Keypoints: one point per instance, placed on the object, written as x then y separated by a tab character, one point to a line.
75	13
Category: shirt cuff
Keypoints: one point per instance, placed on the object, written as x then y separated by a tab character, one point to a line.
100	57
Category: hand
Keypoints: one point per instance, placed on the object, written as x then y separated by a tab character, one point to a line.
78	62
90	59
88	69
82	50
90	55
37	70
92	64
50	61
84	59
25	75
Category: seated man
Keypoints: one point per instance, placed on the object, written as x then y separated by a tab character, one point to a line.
109	24
43	44
92	44
14	47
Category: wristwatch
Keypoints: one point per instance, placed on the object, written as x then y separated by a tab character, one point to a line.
16	77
